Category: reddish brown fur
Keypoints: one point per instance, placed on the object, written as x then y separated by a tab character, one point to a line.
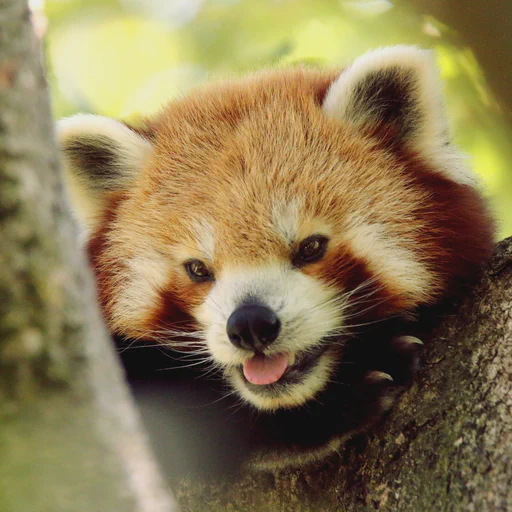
228	152
98	252
460	229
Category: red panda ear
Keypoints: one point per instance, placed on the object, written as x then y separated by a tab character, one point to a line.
394	92
99	155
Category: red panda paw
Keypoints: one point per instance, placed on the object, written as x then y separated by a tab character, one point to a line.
382	390
398	365
406	353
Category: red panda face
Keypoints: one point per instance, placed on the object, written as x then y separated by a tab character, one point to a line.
266	219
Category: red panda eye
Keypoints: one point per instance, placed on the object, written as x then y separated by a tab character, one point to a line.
311	249
198	271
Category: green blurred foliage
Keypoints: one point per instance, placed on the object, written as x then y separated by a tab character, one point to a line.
124	58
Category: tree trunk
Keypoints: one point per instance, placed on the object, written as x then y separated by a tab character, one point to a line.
70	440
446	446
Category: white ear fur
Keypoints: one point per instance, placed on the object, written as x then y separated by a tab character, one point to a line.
400	87
99	155
356	94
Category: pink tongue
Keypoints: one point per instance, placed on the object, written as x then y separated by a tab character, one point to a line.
265	370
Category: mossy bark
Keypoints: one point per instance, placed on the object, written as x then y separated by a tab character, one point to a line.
446	446
69	436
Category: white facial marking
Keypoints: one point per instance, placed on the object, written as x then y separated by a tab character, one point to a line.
389	257
291	395
308	310
285	217
140	288
205	238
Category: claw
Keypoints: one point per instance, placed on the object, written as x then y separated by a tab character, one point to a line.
377	376
407	343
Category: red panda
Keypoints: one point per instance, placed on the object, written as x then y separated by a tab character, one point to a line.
263	222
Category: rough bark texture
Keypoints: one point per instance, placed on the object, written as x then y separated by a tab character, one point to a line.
447	446
69	437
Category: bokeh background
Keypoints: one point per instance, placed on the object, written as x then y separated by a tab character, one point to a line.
124	58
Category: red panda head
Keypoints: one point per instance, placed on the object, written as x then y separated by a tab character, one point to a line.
270	214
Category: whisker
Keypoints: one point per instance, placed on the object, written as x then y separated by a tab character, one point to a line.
191	365
364	324
217	307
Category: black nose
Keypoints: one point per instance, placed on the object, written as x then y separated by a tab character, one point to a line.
253	327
